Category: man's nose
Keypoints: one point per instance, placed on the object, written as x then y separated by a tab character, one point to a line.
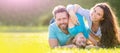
62	21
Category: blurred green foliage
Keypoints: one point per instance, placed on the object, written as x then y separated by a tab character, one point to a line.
42	16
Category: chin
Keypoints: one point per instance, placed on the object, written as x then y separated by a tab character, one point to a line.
63	28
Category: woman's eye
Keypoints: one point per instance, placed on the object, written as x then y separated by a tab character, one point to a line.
98	14
94	10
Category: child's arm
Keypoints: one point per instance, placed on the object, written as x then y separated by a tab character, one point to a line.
72	16
78	9
73	21
71	28
82	11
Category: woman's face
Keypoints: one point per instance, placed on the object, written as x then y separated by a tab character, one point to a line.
97	14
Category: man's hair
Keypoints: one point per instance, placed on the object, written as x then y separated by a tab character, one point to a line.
58	9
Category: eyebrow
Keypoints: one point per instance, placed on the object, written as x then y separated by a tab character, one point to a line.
97	12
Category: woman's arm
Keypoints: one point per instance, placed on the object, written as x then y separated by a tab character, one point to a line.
94	39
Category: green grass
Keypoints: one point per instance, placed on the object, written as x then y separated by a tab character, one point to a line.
23	28
11	42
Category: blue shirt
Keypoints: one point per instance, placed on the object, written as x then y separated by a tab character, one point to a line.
81	28
56	33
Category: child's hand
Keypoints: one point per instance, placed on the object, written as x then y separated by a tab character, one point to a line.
70	24
76	7
73	17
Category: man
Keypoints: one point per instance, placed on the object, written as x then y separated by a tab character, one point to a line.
58	31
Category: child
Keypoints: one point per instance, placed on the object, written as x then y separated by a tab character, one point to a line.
77	26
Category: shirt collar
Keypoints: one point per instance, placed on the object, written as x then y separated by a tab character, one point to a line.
59	30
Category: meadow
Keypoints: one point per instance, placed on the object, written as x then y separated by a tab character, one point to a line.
37	42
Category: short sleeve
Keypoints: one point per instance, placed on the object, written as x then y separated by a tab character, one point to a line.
52	32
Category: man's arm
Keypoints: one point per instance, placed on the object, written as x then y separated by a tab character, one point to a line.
53	43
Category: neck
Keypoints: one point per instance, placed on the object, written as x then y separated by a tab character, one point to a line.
95	23
65	31
95	26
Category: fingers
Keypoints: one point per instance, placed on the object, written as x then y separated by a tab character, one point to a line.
70	24
73	17
76	7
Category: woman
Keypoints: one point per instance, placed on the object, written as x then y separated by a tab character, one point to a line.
102	23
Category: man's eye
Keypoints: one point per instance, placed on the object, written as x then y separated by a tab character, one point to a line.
64	18
58	19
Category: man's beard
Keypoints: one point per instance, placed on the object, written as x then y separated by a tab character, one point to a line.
63	26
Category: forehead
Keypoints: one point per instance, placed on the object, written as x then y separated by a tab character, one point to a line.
61	15
99	10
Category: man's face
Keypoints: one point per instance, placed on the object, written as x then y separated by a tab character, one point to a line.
62	20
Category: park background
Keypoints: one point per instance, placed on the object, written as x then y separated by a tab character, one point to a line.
24	25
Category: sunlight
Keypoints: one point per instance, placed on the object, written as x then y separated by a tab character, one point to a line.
10	6
19	3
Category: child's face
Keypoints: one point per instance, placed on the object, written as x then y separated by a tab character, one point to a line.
97	14
81	40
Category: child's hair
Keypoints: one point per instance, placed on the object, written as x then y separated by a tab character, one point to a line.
109	27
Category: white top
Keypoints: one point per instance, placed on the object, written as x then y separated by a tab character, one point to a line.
86	14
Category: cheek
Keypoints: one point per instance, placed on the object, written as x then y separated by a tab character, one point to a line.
91	14
58	22
100	17
66	20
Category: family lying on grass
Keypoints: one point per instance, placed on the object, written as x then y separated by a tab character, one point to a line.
68	28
